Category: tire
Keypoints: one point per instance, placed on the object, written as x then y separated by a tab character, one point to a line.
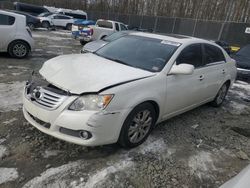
137	126
83	42
68	27
19	49
31	26
46	24
221	95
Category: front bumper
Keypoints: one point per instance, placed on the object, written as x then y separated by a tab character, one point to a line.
104	127
245	73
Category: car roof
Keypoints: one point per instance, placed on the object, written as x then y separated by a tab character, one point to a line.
172	37
12	14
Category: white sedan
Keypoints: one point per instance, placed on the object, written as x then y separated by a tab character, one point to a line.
121	91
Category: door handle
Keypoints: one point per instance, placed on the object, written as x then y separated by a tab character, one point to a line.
201	77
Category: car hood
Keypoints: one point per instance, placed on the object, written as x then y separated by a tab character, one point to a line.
94	46
242	61
80	73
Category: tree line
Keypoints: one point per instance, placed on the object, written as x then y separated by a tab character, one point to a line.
220	10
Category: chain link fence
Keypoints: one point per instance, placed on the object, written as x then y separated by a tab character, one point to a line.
231	32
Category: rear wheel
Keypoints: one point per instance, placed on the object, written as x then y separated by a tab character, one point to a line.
68	26
46	24
19	49
83	42
31	26
221	95
137	125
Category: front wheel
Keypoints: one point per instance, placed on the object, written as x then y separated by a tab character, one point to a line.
221	95
137	125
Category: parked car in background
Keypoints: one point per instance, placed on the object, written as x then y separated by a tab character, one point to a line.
58	20
81	28
45	14
242	58
29	8
225	46
31	21
96	45
235	49
15	37
76	14
120	92
103	28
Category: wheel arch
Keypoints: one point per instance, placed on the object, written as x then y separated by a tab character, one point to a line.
153	103
17	40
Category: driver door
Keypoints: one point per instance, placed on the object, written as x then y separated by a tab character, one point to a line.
185	91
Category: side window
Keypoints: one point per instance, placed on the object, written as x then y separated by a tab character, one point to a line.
64	17
123	27
6	20
117	27
213	54
191	55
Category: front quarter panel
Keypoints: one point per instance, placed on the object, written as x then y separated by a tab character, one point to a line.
129	95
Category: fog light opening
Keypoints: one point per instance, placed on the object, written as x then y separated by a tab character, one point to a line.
84	135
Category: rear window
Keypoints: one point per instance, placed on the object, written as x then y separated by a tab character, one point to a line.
76	16
105	24
6	20
213	54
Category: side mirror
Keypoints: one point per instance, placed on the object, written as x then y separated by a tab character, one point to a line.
182	69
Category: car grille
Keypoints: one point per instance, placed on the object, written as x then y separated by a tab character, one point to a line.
45	98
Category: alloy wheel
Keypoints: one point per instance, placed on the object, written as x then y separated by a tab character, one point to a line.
140	126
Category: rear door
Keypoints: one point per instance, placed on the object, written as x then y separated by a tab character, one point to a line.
60	20
214	69
7	30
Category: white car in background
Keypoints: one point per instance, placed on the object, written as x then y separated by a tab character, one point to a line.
120	92
15	37
96	45
77	14
103	28
58	20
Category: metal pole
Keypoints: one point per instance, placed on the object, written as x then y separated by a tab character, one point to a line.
155	26
174	25
194	27
221	30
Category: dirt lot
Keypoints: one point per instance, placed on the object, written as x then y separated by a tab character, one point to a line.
201	148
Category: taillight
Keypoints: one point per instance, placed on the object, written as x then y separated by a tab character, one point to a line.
91	31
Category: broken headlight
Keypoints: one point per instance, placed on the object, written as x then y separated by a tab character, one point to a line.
91	102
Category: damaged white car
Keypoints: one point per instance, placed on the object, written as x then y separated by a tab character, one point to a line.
121	91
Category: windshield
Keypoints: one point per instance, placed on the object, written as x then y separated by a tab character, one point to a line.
141	52
45	14
115	36
245	51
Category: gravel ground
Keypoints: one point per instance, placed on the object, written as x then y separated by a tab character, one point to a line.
201	148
